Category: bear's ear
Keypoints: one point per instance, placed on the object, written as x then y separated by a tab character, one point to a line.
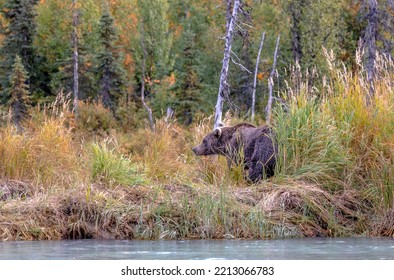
217	132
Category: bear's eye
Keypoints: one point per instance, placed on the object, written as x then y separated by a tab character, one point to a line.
204	142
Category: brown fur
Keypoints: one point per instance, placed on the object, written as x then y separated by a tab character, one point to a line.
244	141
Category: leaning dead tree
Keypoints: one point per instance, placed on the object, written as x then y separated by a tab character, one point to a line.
75	57
223	85
143	66
255	77
268	109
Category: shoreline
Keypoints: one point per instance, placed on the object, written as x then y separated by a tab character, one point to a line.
173	212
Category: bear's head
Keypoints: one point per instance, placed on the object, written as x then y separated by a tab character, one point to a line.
212	144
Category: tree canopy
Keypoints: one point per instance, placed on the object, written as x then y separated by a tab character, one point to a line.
184	42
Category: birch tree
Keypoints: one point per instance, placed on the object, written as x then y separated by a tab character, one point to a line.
223	85
75	56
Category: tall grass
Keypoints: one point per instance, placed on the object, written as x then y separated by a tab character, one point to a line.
309	145
334	138
45	155
111	168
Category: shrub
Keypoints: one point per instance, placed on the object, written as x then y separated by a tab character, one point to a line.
94	117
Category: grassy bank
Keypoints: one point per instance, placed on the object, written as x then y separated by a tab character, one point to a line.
335	174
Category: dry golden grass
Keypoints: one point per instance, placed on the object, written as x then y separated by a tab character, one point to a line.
45	155
165	152
178	211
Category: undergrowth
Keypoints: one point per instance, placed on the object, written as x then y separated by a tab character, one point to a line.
334	173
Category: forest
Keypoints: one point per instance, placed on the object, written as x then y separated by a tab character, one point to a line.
102	101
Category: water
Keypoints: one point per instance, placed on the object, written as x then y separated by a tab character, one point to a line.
293	249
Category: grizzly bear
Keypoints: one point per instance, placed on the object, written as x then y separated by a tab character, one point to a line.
245	144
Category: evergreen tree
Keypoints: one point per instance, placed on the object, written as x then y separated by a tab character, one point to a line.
19	92
187	85
188	100
155	53
109	70
19	36
157	37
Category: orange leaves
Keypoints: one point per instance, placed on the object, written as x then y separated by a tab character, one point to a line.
149	81
132	17
172	79
260	76
166	81
178	31
128	60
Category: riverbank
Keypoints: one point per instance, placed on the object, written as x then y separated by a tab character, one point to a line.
85	178
186	212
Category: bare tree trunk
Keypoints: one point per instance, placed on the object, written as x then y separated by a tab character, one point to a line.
255	76
169	114
268	109
143	66
228	13
75	57
370	43
105	91
223	86
295	29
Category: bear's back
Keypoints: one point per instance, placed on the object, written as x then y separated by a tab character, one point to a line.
250	132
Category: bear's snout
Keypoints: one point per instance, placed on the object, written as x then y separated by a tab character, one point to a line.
195	150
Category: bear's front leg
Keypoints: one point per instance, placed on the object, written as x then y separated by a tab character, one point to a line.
255	171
